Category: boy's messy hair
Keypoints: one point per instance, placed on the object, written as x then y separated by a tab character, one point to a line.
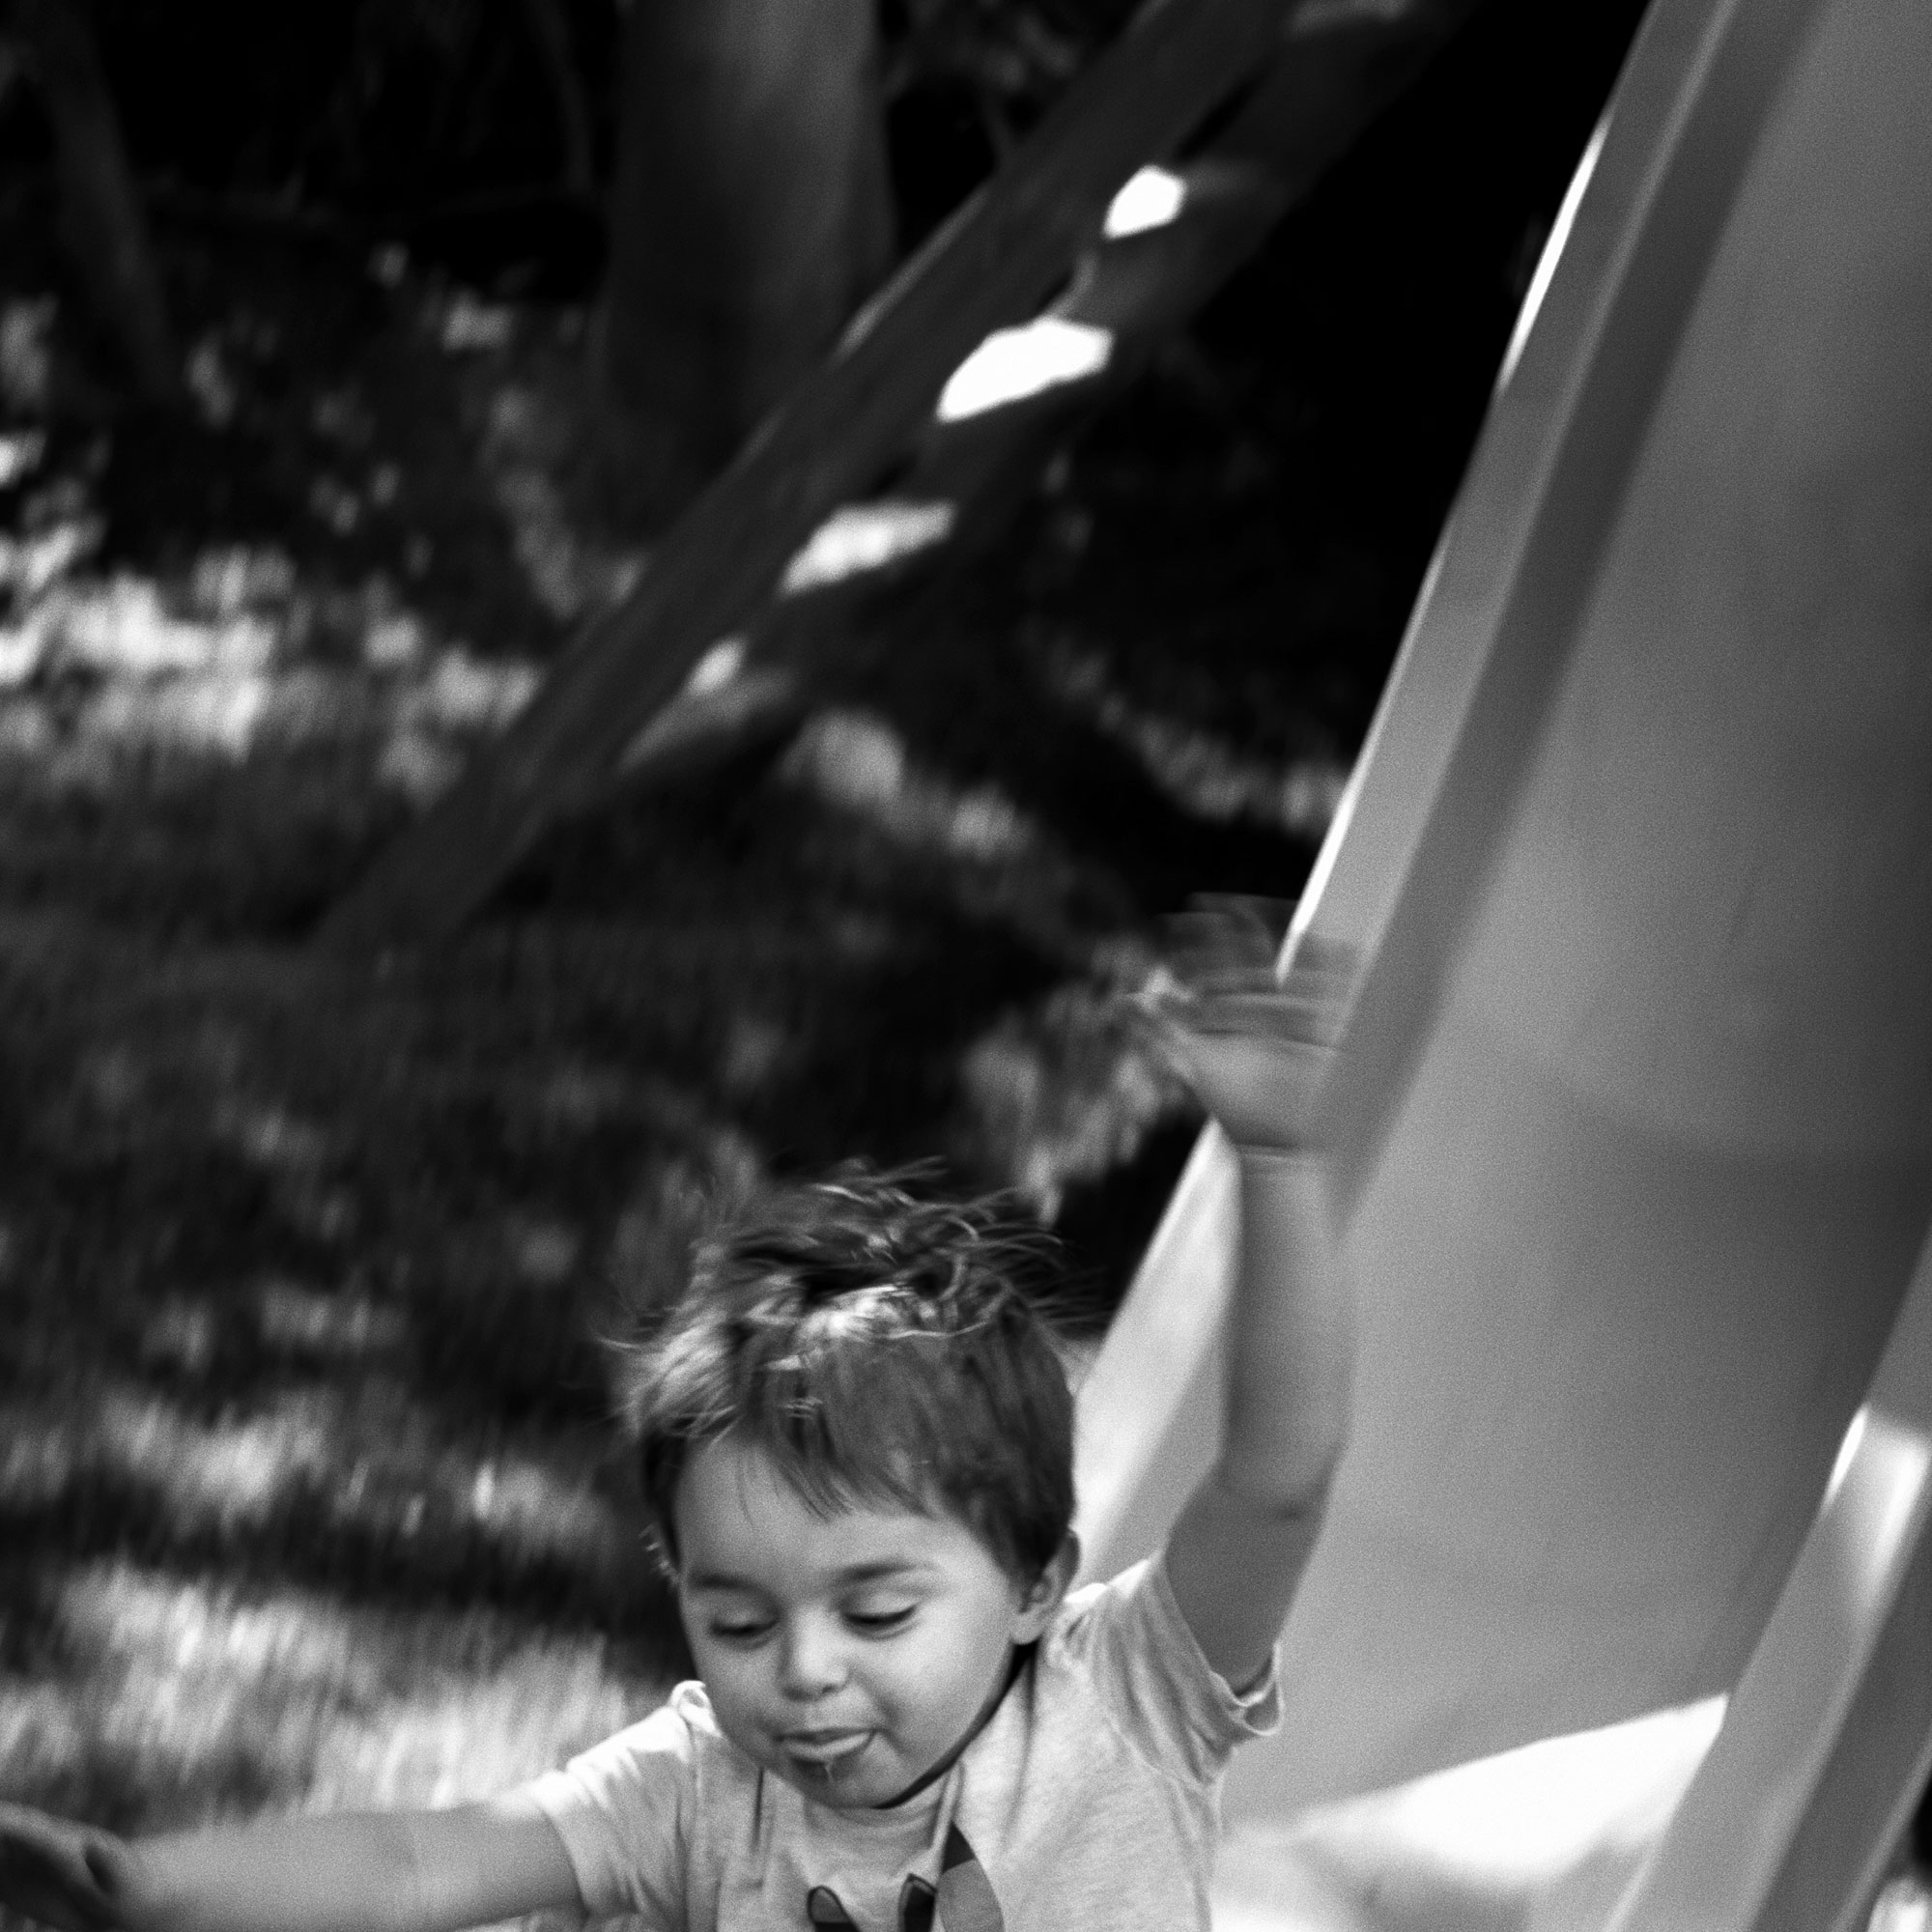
880	1348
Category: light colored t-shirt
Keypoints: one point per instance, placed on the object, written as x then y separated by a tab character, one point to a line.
1091	1799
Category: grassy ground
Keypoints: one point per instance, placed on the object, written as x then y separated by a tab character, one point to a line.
307	1488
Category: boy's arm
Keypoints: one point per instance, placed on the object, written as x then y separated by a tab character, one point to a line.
1258	1054
1236	1555
403	1871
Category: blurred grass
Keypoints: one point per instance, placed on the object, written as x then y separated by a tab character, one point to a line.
308	1490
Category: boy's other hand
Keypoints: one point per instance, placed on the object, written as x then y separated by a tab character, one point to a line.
1257	1047
62	1874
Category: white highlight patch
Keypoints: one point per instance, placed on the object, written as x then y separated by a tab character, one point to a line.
470	326
860	764
1552	252
21	654
464	692
20	455
717	668
865	536
1013	364
1151	199
1847	1449
1903	1906
1883	1492
1562	1823
1534	1812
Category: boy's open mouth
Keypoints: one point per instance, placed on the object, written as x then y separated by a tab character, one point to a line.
825	1751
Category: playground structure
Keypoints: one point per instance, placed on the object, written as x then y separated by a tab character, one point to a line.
919	436
1635	1128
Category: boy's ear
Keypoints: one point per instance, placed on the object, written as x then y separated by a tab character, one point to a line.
1048	1591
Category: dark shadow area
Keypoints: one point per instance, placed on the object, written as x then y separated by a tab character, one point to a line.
375	1213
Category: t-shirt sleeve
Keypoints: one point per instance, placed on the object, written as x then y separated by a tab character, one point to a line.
1163	1696
623	1811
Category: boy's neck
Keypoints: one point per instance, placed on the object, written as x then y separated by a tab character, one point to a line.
1016	1657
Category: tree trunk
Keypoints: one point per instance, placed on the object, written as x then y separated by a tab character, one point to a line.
750	215
102	223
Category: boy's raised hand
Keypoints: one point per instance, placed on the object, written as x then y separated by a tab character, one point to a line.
1257	1047
1260	1048
61	1874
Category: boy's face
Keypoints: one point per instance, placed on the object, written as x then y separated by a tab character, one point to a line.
851	1654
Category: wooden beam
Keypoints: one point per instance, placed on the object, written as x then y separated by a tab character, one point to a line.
990	267
1326	86
991	264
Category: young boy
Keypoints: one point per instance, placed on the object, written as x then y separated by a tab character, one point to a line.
856	1443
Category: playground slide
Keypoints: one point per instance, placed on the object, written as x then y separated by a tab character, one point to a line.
1634	1130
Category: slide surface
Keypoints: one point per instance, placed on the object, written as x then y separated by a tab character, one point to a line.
1634	1132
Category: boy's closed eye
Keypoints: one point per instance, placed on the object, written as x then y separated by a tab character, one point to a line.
738	1620
877	1618
740	1628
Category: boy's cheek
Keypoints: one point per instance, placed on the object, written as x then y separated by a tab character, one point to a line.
734	1699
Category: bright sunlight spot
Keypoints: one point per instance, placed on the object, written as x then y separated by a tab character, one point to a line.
1570	1816
717	668
1878	1489
1904	1905
21	453
1533	1813
224	657
1552	252
1203	773
287	1696
1151	199
1847	1449
309	1455
862	765
865	536
1013	364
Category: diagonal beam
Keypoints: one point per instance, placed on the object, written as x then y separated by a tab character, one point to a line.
872	402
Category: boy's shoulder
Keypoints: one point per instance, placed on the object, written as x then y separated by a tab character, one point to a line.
1125	1604
1107	1634
690	1706
685	1717
1127	1642
685	1727
677	1746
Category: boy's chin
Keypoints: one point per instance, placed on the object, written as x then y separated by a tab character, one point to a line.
869	1779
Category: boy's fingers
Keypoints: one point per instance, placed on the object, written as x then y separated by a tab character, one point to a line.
1222	975
1168	1021
1221	938
1219	979
1197	968
1267	917
1259	1013
1219	932
1272	1015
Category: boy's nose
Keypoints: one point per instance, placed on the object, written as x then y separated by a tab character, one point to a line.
810	1661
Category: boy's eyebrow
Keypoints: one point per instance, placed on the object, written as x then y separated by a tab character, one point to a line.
855	1573
871	1573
